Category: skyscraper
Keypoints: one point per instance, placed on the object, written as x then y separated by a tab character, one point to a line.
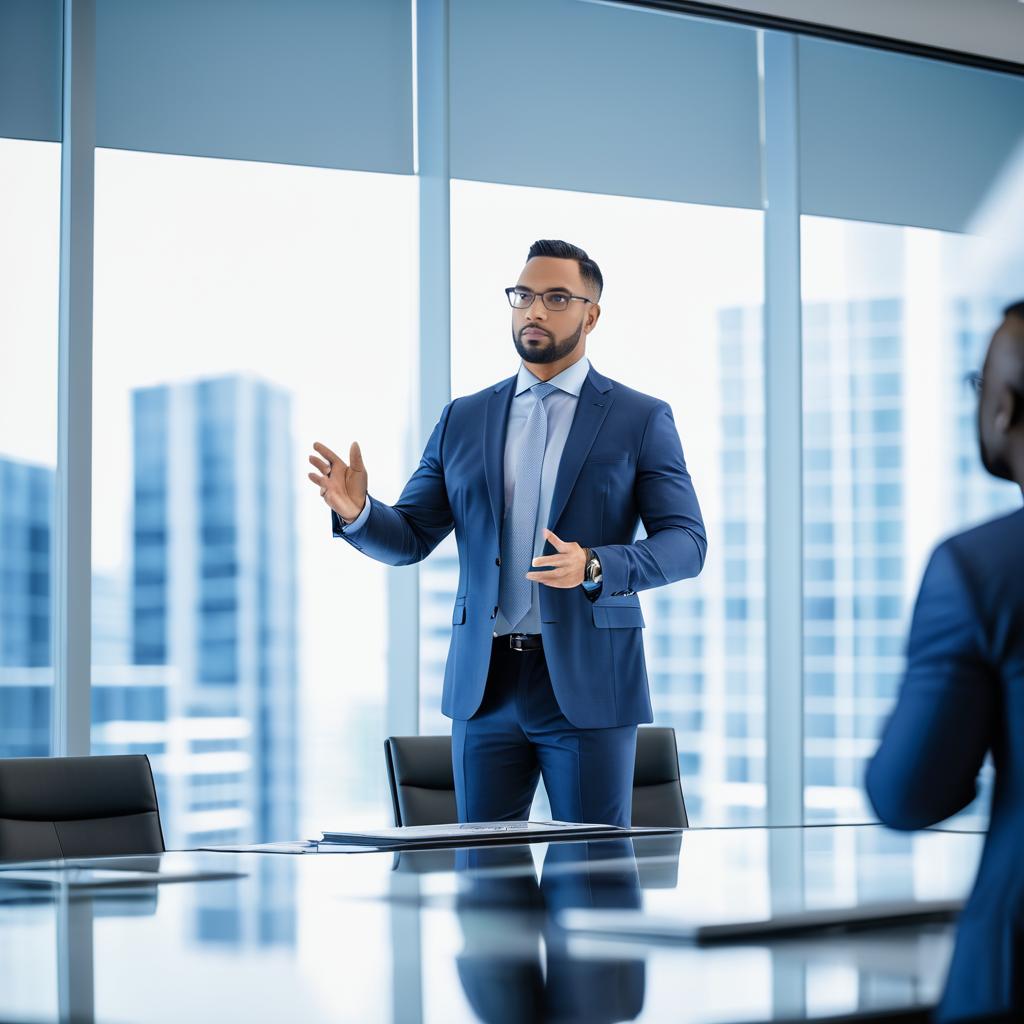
214	598
26	517
26	675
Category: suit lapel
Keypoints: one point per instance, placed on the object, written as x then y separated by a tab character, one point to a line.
595	400
499	401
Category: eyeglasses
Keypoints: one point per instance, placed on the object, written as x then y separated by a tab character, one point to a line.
556	300
974	381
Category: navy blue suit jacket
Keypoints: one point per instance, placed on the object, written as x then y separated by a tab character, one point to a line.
622	464
963	695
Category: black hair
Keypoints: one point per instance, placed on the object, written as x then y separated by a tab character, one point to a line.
589	270
1015	309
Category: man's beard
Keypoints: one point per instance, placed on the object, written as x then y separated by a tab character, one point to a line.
552	352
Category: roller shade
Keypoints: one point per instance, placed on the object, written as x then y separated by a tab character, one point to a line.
895	139
574	95
314	82
31	34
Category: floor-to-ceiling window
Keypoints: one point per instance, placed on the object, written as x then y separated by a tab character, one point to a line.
247	303
910	185
236	641
663	190
30	199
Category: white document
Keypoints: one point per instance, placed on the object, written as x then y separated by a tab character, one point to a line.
475	831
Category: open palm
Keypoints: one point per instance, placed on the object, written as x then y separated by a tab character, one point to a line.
342	485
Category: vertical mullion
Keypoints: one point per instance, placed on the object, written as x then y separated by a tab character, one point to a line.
432	390
783	434
435	378
72	548
432	386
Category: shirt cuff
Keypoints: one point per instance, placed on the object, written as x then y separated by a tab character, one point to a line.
359	520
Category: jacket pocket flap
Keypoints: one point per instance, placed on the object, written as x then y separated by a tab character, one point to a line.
459	611
616	616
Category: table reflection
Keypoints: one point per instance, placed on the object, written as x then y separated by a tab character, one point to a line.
523	970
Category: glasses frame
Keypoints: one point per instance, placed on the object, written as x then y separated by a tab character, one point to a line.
974	380
543	296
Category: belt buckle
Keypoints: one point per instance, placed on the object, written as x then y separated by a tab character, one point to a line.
516	641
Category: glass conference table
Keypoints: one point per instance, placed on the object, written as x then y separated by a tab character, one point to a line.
482	934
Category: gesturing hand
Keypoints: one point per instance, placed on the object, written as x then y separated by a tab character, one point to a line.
343	487
567	565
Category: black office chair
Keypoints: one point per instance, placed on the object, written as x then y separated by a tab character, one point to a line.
423	785
657	787
421	779
60	807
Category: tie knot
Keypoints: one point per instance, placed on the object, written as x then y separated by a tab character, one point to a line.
542	390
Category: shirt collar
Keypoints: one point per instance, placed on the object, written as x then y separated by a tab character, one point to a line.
570	380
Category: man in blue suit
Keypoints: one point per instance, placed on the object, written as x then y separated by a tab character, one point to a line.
544	477
963	695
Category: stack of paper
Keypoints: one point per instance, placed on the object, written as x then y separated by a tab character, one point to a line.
474	833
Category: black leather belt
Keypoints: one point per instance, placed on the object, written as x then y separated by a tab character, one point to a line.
520	641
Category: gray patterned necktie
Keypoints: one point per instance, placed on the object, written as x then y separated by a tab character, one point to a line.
520	526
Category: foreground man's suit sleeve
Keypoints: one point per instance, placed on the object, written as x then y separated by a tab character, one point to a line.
936	739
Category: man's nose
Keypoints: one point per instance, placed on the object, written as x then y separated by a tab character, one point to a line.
538	311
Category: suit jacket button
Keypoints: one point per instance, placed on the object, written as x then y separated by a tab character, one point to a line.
497	561
494	613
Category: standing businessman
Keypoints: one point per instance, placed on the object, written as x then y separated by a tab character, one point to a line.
544	477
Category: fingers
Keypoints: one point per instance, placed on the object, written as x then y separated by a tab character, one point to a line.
326	452
355	458
556	542
553	578
320	464
551	560
320	481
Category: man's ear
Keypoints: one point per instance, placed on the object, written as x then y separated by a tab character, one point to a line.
1009	410
595	309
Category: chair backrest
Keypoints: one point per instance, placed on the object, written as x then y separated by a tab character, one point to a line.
423	784
60	807
422	780
657	788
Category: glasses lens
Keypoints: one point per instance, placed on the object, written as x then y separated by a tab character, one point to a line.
556	301
520	298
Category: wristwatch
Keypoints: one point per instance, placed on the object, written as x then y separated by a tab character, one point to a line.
592	569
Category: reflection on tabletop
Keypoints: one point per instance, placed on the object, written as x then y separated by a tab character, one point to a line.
527	979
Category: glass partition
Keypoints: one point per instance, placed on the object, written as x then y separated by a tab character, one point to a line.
244	311
29	268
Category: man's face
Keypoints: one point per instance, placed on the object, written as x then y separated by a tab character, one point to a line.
997	406
541	335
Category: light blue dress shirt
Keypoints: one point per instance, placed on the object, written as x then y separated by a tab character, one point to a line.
560	407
